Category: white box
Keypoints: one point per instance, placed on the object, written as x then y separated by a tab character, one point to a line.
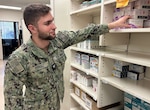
136	23
83	96
88	80
117	15
95	85
94	64
77	91
146	24
142	4
85	61
135	76
73	75
77	58
138	14
137	68
120	63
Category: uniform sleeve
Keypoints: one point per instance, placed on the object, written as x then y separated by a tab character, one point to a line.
68	38
13	83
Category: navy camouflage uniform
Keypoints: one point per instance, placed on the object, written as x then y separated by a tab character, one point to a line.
40	72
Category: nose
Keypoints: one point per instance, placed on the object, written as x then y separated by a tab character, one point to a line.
53	25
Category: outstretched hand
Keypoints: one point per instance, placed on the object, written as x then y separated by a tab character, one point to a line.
122	22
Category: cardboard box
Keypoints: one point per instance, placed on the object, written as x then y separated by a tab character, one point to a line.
77	91
91	104
83	95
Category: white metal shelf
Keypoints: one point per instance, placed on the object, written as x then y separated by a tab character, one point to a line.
130	30
90	10
88	90
79	101
87	71
138	88
96	52
135	58
109	2
104	12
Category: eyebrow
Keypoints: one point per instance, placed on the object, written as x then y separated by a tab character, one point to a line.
51	20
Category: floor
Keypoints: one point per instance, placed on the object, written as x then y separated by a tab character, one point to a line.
2	66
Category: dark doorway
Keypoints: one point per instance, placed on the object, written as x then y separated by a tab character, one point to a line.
10	36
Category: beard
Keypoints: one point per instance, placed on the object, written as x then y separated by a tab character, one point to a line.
44	36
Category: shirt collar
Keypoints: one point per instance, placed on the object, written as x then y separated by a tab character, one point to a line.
39	52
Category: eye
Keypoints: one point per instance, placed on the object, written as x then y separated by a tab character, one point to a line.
48	23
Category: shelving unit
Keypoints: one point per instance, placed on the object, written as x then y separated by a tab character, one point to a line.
139	88
87	71
127	45
79	101
88	90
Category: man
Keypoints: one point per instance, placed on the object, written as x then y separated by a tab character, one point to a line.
39	63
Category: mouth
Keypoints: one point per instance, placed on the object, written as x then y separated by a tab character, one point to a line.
52	34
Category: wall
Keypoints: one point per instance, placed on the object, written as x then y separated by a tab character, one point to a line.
62	20
9	15
1	49
25	32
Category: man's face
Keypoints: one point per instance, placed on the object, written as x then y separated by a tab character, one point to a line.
46	27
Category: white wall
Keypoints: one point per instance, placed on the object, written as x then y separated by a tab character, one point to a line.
62	21
1	49
25	32
9	15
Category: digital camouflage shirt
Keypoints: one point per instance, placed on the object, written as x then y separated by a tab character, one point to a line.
40	72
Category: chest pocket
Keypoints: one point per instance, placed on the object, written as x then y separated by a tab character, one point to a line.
38	70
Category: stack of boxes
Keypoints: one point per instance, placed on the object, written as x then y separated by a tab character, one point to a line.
90	43
122	69
95	84
133	103
136	72
139	12
77	58
94	64
84	79
87	61
89	102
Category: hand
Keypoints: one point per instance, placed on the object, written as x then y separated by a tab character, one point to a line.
120	23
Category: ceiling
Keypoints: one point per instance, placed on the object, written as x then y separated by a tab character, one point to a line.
22	3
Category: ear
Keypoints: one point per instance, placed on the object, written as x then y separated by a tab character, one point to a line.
32	28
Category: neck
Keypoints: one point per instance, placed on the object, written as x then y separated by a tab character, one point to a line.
42	44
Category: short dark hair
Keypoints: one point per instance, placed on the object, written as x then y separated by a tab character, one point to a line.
33	12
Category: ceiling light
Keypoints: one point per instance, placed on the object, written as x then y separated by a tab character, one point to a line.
10	7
